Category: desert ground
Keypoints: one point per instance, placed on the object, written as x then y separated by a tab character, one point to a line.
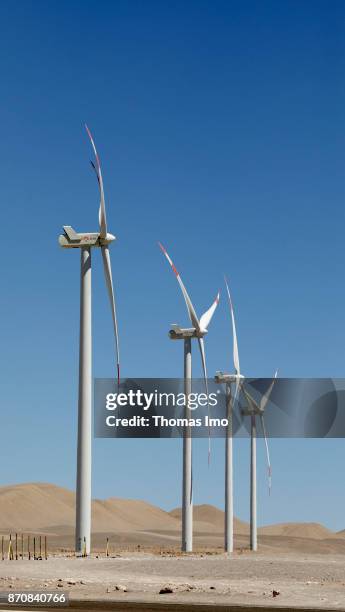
298	564
278	579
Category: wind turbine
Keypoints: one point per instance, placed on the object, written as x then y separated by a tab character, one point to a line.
228	379
257	409
85	242
199	330
252	409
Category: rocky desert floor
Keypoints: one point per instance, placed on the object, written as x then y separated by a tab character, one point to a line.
287	579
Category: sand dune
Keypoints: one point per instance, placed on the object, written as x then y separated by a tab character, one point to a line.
42	506
341	534
205	514
46	508
298	530
35	506
130	514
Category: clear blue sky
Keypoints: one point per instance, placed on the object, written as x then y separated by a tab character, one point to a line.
221	131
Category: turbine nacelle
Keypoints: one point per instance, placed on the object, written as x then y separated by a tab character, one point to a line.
73	240
179	333
220	377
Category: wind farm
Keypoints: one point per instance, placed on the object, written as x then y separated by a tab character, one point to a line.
152	456
224	560
190	554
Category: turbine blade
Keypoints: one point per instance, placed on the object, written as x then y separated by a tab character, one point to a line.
95	170
269	469
237	392
203	362
192	314
252	405
110	287
101	216
205	319
266	396
234	334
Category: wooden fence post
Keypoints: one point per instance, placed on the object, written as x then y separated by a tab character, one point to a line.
10	549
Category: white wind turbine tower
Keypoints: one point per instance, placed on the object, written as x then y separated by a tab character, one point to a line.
86	241
253	409
198	331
